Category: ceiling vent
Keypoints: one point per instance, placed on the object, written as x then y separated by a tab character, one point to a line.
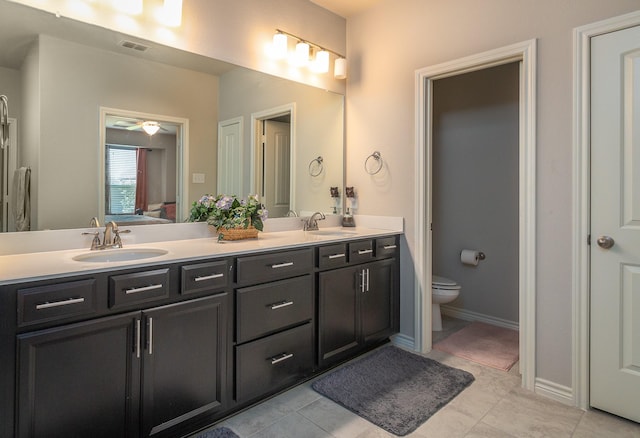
135	46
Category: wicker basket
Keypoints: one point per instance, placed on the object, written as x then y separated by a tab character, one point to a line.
238	233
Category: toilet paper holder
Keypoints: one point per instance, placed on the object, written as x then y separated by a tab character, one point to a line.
481	255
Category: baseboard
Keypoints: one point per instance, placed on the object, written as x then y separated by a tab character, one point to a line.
404	341
468	315
554	391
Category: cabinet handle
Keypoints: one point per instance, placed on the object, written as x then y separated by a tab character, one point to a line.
208	277
364	251
367	279
138	336
135	290
336	256
390	246
362	284
49	305
281	357
281	265
150	336
281	305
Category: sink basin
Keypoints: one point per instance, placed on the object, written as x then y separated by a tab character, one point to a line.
333	233
119	255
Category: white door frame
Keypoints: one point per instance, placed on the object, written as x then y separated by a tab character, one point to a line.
525	53
581	194
182	157
256	119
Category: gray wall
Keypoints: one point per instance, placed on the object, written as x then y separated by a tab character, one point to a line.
74	81
475	187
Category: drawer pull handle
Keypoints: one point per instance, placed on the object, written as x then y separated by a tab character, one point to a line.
135	290
365	251
48	305
281	357
390	246
281	305
281	265
336	256
208	277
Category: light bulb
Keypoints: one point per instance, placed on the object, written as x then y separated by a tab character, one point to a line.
340	69
321	62
279	47
301	56
150	127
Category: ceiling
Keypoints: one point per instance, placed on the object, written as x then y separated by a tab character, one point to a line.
346	8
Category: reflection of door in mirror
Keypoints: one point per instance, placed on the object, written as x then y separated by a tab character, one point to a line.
276	165
230	157
142	155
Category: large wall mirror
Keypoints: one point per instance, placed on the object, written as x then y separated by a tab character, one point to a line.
60	75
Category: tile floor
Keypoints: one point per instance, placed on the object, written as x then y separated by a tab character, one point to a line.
493	406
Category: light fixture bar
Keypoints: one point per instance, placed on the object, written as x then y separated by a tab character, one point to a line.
317	46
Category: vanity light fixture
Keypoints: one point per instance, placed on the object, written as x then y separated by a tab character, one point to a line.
301	56
150	127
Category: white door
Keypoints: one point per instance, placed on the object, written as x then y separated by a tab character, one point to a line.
230	158
615	220
277	164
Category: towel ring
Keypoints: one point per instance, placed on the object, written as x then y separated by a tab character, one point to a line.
317	165
377	157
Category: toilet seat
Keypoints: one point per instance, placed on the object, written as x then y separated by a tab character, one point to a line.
444	284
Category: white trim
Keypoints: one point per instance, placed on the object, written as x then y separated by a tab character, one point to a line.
182	157
554	391
289	108
403	341
581	192
468	315
525	52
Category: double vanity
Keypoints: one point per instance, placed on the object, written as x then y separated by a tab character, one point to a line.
165	338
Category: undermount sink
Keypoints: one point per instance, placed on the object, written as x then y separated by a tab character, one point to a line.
334	233
119	255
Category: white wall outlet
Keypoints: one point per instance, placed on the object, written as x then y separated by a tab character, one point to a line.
198	178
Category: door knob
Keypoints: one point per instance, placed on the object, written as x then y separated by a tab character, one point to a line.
605	242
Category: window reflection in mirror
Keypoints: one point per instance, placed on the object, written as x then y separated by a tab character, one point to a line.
141	184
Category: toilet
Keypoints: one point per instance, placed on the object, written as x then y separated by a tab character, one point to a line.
443	291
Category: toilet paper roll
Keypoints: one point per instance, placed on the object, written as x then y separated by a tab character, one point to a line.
470	257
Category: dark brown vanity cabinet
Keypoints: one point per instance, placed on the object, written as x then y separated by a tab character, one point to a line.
358	303
274	322
157	371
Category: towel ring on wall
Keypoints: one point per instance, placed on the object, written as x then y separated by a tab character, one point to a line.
316	167
375	167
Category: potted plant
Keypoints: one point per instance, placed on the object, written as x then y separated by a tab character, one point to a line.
233	218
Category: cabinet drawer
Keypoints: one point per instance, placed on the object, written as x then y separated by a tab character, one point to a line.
270	363
386	247
56	301
205	276
270	307
138	287
274	266
332	256
360	251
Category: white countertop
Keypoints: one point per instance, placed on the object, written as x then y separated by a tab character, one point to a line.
48	264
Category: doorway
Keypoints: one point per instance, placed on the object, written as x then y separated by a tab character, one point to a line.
273	158
525	54
142	162
606	370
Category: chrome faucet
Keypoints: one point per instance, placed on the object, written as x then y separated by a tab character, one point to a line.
311	224
111	237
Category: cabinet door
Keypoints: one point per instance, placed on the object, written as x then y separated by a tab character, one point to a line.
184	363
80	379
337	314
377	303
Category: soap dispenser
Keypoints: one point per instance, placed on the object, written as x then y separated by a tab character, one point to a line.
347	219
